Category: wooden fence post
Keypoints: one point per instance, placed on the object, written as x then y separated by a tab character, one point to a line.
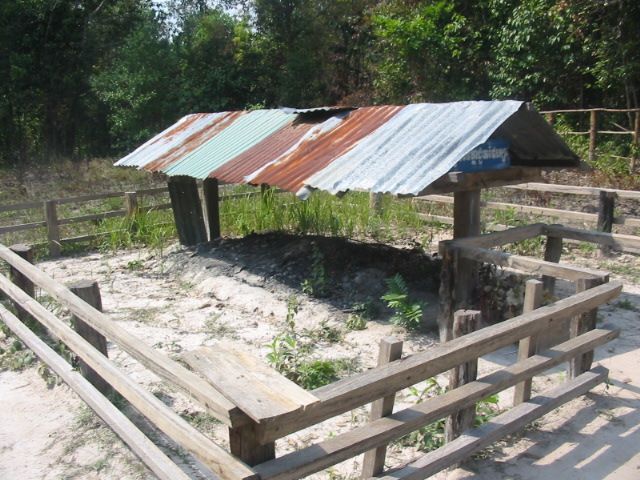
464	322
373	463
187	210
16	276
606	208
466	223
243	443
636	143
131	203
53	229
211	194
582	324
552	253
593	132
528	346
89	291
446	292
375	203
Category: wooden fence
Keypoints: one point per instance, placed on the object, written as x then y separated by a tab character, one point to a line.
593	132
275	407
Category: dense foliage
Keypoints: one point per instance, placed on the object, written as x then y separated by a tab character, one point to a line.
96	78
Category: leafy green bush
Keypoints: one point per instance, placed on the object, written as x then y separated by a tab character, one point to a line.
407	313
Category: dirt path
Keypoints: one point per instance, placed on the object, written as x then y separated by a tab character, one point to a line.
236	294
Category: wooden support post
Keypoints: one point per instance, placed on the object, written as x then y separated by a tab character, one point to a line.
375	203
464	322
26	252
131	204
606	208
552	253
466	223
528	346
187	210
373	464
593	132
89	291
244	444
446	293
636	143
582	324
53	229
211	194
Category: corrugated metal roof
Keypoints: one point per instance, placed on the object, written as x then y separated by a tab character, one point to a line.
256	157
242	134
192	142
315	153
172	137
414	148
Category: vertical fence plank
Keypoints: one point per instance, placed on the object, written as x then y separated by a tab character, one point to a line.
244	444
446	292
187	210
373	464
466	223
582	324
552	253
593	132
131	204
53	229
606	208
89	291
529	345
211	195
464	322
26	252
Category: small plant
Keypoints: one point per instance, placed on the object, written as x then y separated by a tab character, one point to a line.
135	265
324	332
317	373
407	313
317	285
626	304
356	321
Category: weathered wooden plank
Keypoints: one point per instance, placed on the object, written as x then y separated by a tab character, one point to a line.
23	226
373	462
53	229
614	240
20	206
459	182
606	207
466	223
187	210
211	194
501	426
131	204
529	265
580	324
496	239
163	366
213	456
528	345
149	453
362	388
353	442
22	282
552	253
258	390
92	216
574	190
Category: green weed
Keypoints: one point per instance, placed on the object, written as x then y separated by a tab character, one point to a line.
356	321
317	285
407	313
626	304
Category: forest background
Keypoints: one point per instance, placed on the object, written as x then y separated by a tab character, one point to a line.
86	78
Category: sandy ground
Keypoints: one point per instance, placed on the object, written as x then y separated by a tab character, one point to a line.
179	301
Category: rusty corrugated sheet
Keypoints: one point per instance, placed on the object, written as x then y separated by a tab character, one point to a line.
192	142
242	134
312	155
269	149
172	137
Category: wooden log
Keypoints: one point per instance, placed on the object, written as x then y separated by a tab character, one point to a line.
373	463
150	454
466	223
501	426
331	451
528	346
606	207
464	322
213	456
187	210
131	204
529	265
187	381
552	253
53	230
25	252
579	325
89	291
362	388
593	132
212	206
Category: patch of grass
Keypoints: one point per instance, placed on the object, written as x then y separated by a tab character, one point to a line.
356	321
626	304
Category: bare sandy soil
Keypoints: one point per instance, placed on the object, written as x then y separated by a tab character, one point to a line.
237	293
